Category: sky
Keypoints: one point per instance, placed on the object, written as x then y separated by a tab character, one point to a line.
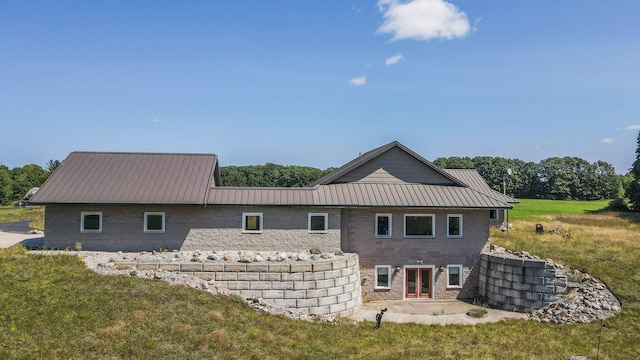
316	83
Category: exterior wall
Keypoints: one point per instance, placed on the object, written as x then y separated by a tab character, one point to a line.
190	228
358	235
312	287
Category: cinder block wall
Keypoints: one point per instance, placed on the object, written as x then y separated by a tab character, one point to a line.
519	284
190	228
313	287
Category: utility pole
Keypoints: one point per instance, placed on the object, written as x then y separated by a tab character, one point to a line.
504	191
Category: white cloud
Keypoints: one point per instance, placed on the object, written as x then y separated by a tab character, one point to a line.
607	141
632	127
158	121
393	60
422	20
359	81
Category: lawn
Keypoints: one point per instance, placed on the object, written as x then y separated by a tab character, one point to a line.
536	209
53	307
16	213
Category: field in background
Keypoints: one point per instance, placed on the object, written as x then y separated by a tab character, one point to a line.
17	213
535	209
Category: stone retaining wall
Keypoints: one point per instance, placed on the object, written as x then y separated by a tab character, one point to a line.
319	287
520	284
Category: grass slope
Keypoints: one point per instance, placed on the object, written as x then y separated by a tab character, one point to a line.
536	209
53	307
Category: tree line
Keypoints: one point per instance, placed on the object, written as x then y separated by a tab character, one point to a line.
16	182
555	178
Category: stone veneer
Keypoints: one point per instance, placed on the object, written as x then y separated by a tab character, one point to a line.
329	286
519	283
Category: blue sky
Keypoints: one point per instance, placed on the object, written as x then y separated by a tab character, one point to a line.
317	82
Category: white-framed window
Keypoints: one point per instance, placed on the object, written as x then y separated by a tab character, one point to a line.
383	277
493	214
454	276
383	225
252	222
454	225
91	221
318	223
419	225
154	222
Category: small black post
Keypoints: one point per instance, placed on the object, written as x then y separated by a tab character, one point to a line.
379	317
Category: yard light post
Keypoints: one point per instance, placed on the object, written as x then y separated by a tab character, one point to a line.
504	191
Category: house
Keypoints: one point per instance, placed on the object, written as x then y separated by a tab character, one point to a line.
418	229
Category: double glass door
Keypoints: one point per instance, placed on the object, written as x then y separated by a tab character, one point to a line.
417	283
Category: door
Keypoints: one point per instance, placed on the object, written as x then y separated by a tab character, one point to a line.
417	283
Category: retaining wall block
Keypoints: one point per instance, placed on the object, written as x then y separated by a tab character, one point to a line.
147	266
280	268
238	285
301	303
169	267
248	276
282	285
291	303
210	267
338	264
295	294
352	261
332	274
260	285
339	281
304	285
323	284
226	276
273	294
292	276
235	267
319	310
301	268
190	267
316	293
321	266
346	271
337	307
308	276
336	290
250	293
328	300
257	267
271	276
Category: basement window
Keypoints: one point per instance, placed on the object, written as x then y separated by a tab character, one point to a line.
383	277
91	221
318	223
252	223
154	222
454	276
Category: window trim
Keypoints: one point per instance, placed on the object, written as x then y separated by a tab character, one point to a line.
146	228
326	223
244	222
389	274
433	226
85	213
460	274
390	226
449	235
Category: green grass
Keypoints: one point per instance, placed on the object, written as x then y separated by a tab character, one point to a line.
15	213
535	209
53	307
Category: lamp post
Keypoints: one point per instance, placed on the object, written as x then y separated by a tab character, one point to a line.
504	191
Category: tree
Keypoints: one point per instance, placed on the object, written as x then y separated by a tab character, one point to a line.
52	165
633	189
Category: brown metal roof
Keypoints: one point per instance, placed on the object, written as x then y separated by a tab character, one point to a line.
473	178
131	178
359	195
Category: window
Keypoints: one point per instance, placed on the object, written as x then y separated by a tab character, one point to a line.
454	276
318	222
493	214
454	226
91	221
419	225
252	222
383	277
383	225
154	222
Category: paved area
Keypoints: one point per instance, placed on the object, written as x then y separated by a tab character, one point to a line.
9	239
433	312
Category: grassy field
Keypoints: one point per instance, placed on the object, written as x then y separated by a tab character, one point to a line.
53	307
14	213
535	209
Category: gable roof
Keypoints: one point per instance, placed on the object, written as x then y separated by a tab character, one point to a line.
421	170
131	178
477	182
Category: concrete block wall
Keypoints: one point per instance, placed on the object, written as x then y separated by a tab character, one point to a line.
520	284
321	287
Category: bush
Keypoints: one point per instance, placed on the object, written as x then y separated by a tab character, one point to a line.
618	205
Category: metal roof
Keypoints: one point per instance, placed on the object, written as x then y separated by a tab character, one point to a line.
130	178
359	195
